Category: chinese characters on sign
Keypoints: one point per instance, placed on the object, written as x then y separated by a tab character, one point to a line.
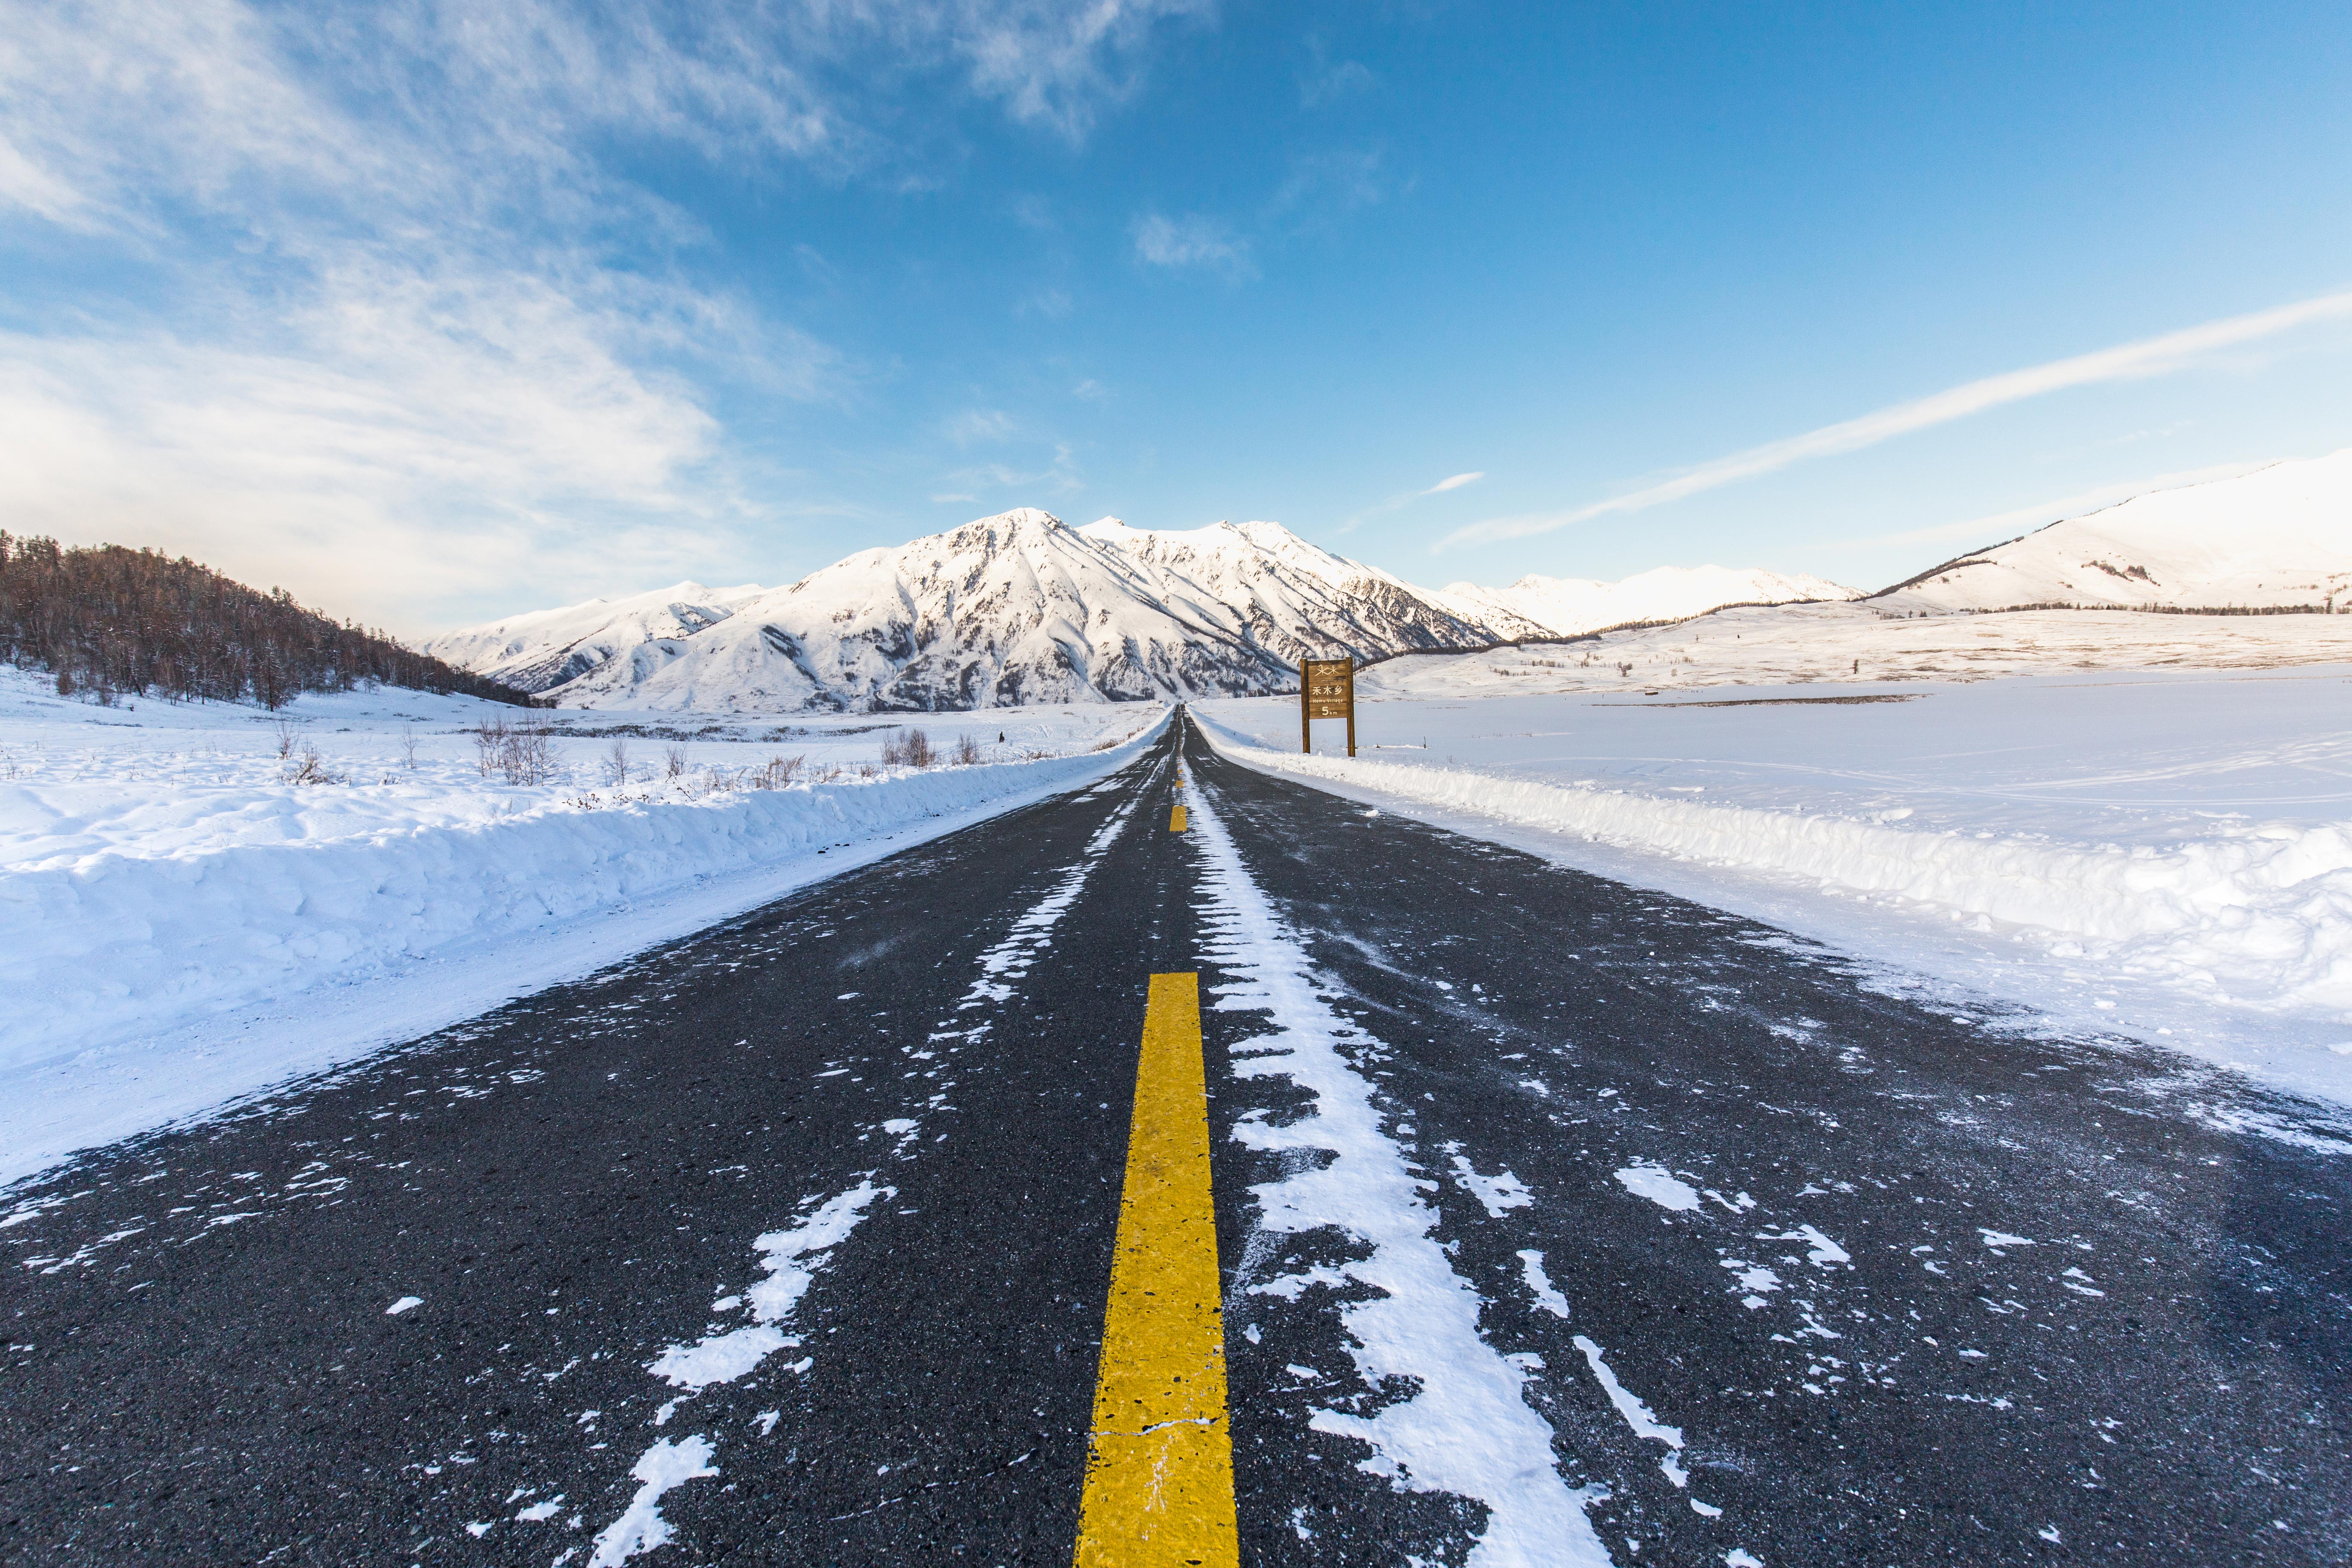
1326	689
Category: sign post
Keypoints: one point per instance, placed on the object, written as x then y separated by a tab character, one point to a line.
1326	689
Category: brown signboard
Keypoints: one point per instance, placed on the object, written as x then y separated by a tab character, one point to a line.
1326	689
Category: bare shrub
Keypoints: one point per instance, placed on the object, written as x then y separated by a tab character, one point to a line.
408	748
520	753
490	738
673	763
776	772
306	767
868	771
285	734
617	761
909	749
967	751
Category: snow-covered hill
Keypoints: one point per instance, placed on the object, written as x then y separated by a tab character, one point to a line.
1564	606
1013	609
547	647
2280	535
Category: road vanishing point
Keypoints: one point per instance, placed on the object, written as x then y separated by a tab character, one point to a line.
1202	1169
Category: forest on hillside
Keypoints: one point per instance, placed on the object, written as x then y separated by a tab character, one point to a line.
109	620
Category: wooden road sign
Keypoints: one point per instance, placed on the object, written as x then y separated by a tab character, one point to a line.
1326	689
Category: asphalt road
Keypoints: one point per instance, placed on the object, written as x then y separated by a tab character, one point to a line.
790	1243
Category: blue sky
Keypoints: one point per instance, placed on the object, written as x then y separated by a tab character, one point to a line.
434	312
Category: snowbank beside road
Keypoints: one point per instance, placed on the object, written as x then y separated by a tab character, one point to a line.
198	942
2236	912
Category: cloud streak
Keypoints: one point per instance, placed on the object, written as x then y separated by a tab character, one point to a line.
1194	240
385	312
1398	502
2126	362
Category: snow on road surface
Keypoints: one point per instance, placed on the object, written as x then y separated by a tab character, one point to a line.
180	923
1466	1429
2164	855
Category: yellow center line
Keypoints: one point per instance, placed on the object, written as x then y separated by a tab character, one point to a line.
1176	820
1159	1471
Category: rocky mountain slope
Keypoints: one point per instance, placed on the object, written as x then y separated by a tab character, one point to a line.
1012	609
2281	536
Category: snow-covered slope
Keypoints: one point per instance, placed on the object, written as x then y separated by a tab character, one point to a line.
1013	609
1564	606
1294	598
2280	535
547	647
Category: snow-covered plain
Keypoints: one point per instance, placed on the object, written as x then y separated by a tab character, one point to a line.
180	923
2165	855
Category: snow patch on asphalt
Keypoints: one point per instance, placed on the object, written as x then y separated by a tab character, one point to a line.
661	1467
1467	1430
1824	1251
1637	1415
1539	1284
1659	1185
790	1257
1499	1193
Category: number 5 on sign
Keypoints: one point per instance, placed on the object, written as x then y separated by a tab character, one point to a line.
1326	689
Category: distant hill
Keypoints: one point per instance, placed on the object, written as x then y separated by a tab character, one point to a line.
109	620
2278	537
1566	607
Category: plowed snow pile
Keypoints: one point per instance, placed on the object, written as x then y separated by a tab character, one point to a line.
184	916
2165	854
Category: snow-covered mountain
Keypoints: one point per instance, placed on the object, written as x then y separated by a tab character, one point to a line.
2280	535
545	648
1564	606
1294	598
1010	609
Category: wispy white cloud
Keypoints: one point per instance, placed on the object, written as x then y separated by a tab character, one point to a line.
1322	187
976	426
1326	80
1053	62
1406	498
1003	480
408	365
2126	362
1194	240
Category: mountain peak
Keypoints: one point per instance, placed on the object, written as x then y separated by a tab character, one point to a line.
1014	608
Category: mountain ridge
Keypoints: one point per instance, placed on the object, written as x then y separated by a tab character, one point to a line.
1016	608
1024	607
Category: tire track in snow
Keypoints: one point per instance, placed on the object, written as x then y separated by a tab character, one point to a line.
1467	1430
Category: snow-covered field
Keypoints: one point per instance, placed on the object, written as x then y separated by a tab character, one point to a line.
1853	642
2159	854
182	922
